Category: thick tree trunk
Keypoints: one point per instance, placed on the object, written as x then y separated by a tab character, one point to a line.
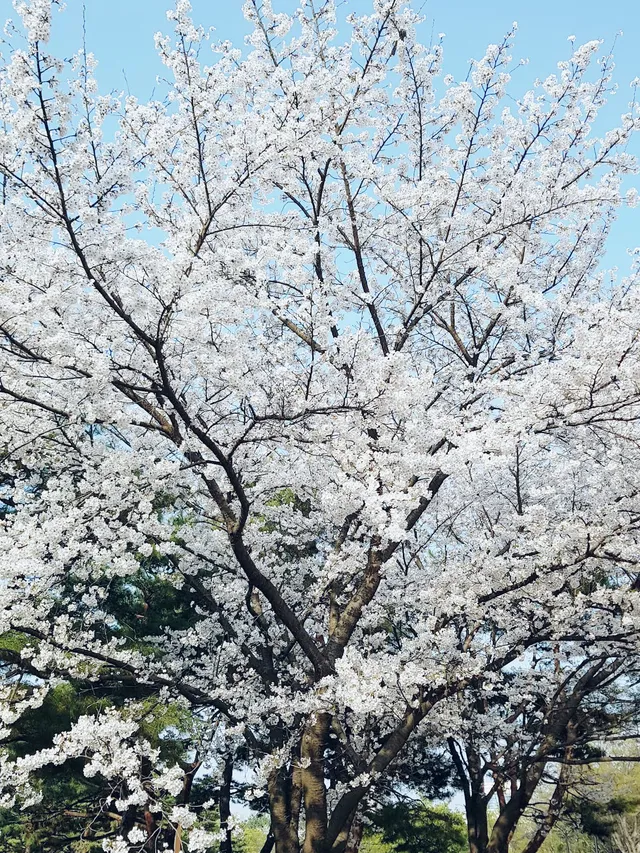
282	806
341	841
312	777
328	833
509	816
539	838
299	786
521	797
477	822
475	803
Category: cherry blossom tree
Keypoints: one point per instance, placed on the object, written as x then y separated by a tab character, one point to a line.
323	341
521	758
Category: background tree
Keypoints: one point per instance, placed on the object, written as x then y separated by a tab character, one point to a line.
421	828
511	755
601	798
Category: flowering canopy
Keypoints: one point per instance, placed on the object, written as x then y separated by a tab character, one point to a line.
321	341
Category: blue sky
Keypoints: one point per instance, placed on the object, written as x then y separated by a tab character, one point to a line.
120	34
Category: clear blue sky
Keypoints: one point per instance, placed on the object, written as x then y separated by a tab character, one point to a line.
120	34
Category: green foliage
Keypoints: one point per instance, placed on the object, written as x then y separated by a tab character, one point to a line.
599	820
372	843
73	814
287	497
604	796
60	820
14	641
61	707
418	828
428	773
253	835
149	602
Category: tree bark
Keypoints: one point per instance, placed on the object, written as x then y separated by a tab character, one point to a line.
226	843
475	802
554	809
477	822
508	818
269	843
314	741
283	828
355	836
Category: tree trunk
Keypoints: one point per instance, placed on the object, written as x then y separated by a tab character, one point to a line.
355	836
153	829
554	809
269	843
226	842
477	822
506	822
312	776
475	804
283	828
